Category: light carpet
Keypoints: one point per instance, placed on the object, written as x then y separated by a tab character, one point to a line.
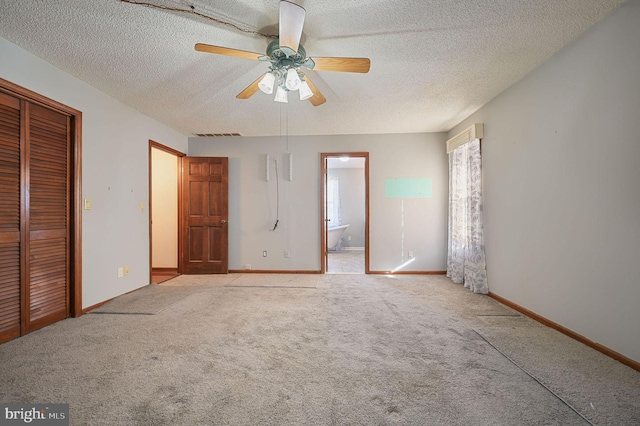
148	300
354	350
275	280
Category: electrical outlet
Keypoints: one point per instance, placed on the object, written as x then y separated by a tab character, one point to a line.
126	269
120	272
410	254
264	253
349	238
287	253
247	266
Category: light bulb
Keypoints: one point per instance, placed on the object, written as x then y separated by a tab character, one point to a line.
293	81
305	91
266	84
281	95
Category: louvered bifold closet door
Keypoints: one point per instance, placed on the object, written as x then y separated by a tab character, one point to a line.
9	217
48	181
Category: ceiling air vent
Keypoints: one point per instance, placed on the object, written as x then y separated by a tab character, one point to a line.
216	135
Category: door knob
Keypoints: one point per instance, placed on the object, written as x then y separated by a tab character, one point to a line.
224	221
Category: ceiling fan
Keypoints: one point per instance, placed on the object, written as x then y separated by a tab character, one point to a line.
288	59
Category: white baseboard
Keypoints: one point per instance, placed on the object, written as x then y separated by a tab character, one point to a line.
353	248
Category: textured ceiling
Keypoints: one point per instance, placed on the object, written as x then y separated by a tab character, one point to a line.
433	62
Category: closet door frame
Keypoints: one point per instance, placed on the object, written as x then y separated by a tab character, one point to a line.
75	197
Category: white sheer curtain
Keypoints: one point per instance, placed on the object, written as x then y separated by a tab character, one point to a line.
466	259
333	208
333	202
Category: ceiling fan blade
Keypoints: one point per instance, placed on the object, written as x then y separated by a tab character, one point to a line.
317	98
291	23
361	65
200	47
250	90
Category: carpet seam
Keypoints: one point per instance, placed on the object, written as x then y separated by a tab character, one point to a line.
196	290
121	313
534	378
267	286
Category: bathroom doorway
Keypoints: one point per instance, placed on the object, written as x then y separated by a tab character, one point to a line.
345	213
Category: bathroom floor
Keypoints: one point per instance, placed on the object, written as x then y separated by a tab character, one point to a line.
346	262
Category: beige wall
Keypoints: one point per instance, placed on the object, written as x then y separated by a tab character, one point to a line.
164	228
561	169
115	174
397	225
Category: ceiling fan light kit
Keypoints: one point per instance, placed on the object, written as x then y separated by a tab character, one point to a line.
267	82
281	95
292	82
287	57
305	91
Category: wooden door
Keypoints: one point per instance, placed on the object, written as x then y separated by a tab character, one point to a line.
204	214
47	216
35	216
10	298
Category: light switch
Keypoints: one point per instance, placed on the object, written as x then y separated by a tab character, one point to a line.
87	203
141	207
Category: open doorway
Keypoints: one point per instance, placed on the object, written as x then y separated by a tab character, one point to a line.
164	181
345	213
